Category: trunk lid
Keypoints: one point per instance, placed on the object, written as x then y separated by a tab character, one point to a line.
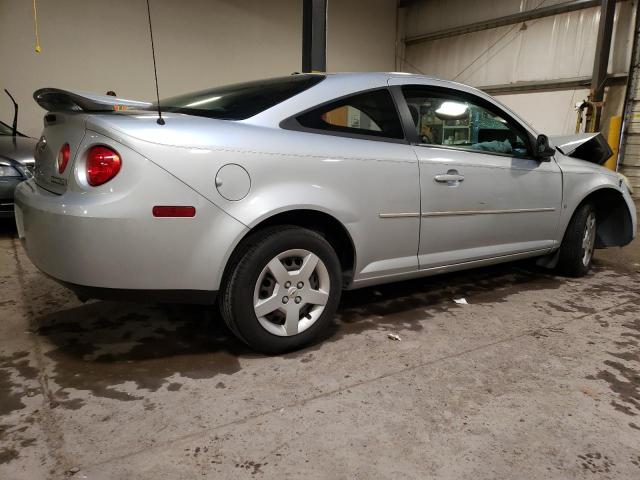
66	124
59	129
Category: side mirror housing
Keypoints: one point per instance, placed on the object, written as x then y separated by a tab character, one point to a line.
542	149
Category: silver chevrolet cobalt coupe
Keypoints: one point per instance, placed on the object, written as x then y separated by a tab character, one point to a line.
271	197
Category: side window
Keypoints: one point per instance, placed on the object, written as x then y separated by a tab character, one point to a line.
369	113
442	119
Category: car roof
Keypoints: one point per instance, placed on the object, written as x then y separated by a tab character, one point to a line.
377	74
406	76
340	84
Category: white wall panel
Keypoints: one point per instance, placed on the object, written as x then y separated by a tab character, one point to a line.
550	48
433	15
99	46
361	35
551	113
561	46
554	113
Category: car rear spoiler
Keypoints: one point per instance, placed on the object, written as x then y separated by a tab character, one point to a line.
56	100
591	147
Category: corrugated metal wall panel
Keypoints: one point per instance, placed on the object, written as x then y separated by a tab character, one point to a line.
433	15
633	127
546	50
630	145
630	162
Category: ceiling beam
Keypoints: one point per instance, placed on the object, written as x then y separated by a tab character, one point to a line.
551	85
601	60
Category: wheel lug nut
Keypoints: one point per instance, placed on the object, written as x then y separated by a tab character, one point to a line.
300	284
298	299
285	299
287	284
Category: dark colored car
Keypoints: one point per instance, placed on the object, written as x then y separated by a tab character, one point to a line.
16	162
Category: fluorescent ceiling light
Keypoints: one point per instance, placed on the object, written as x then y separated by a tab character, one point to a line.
452	109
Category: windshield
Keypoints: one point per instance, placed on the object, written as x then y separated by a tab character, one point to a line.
241	100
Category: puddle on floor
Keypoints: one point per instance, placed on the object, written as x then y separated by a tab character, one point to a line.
622	372
101	345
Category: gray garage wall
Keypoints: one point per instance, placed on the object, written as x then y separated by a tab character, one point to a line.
95	45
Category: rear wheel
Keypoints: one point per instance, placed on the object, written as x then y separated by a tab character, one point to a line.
283	289
576	251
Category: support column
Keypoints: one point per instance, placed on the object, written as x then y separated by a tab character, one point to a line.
314	36
601	59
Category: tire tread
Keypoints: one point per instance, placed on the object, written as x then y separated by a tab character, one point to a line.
570	258
240	260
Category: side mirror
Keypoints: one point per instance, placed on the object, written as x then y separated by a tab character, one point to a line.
542	149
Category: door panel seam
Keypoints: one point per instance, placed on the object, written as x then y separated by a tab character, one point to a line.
464	212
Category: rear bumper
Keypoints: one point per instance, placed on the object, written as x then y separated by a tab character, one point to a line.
111	246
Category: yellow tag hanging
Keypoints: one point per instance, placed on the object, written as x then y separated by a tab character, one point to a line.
35	26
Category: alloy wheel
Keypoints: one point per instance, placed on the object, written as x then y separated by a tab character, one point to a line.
291	292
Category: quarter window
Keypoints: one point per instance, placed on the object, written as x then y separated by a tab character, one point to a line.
442	119
370	113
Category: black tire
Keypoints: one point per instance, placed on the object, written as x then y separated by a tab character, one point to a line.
571	261
236	298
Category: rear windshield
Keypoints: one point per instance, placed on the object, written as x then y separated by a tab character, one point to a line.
241	100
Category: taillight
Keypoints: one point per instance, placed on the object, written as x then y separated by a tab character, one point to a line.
103	164
63	157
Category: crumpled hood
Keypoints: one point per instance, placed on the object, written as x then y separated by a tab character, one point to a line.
590	147
18	148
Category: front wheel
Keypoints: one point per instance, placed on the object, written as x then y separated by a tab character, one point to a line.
576	251
283	290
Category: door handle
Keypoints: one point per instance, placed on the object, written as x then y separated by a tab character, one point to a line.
452	177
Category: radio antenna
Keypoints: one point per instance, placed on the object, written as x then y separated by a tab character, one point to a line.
155	71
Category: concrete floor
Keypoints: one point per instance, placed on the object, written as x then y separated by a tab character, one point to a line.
538	377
